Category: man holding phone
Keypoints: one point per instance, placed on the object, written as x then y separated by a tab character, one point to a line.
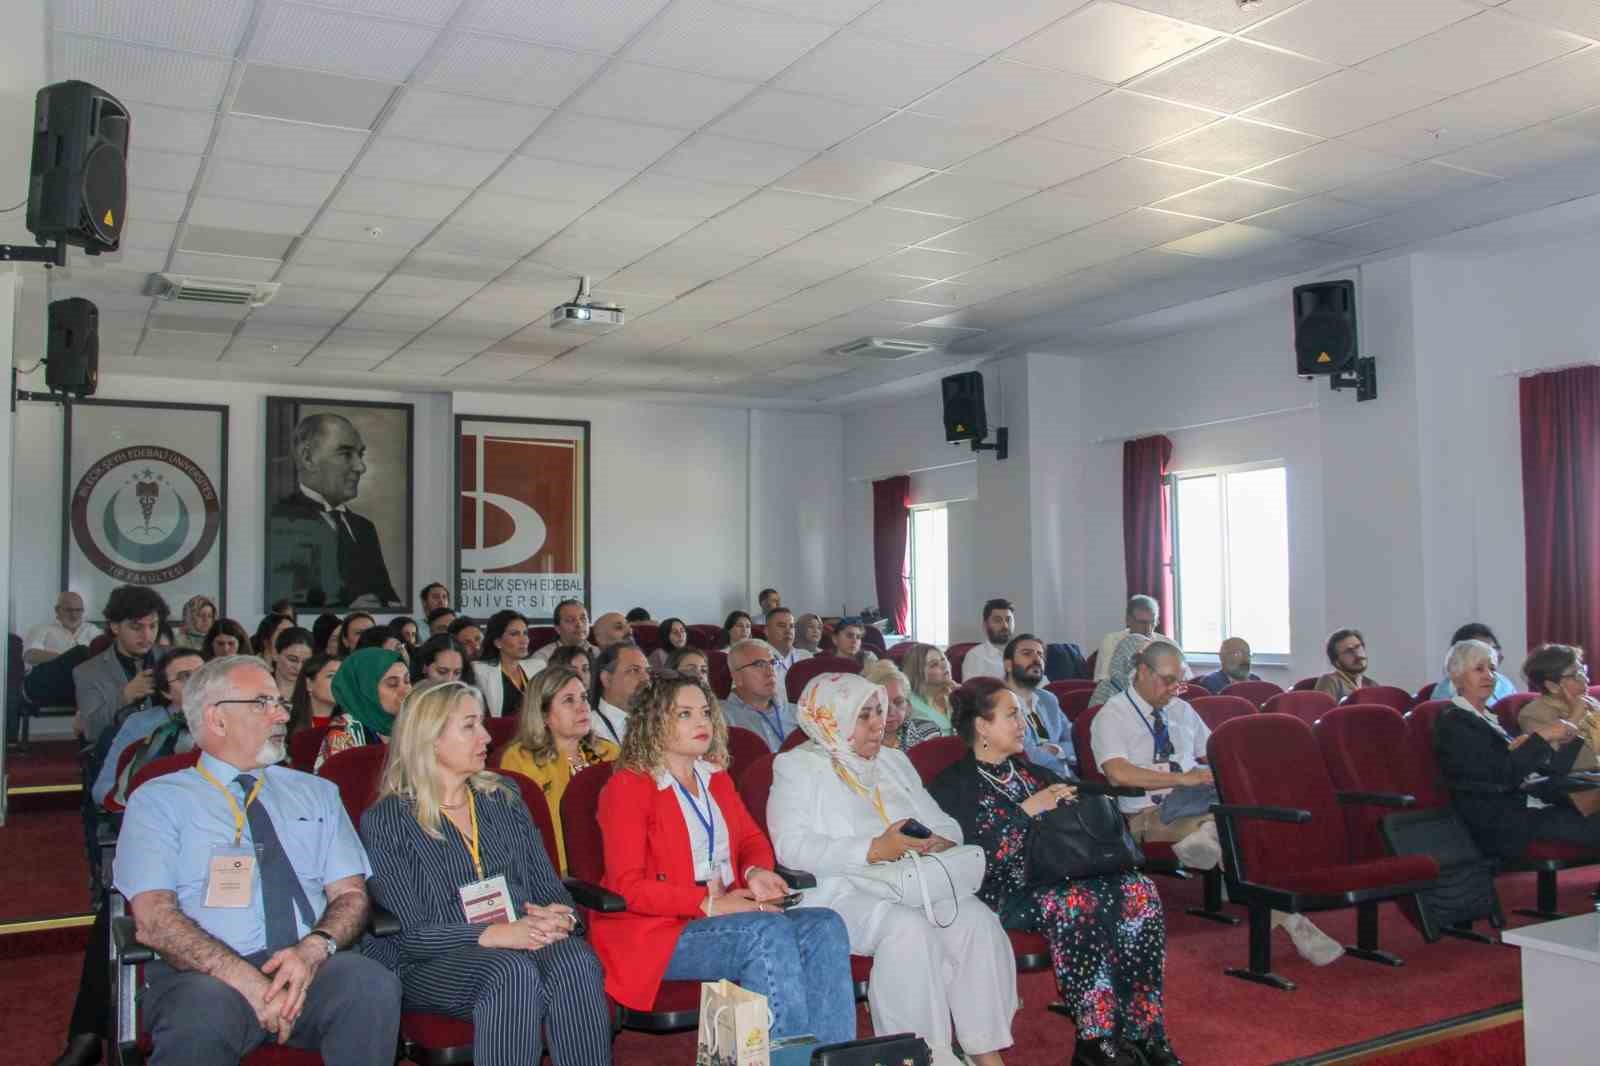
122	675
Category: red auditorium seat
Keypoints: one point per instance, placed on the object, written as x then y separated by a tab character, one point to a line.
1189	691
356	772
792	741
502	731
1424	693
1509	707
704	636
800	673
956	653
1305	684
1214	710
1384	696
1076	684
1306	706
539	636
304	745
1365	748
744	747
1093	658
899	651
1257	692
647	635
721	676
1075	702
1285	845
164	765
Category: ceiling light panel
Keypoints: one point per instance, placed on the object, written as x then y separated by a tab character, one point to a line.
659	97
1009	95
139	74
577	24
222	241
1110	42
465	121
696	35
214	26
311	96
288	144
250	215
1346	101
300	36
1475	51
510	70
797	120
874	70
1232	145
1231	76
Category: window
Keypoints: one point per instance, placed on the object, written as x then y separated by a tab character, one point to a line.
1231	571
930	575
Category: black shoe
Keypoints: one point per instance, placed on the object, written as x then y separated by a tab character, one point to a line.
1090	1053
1156	1053
83	1049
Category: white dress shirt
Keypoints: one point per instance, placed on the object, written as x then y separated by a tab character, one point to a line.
56	638
781	663
338	525
709	857
1125	729
1108	648
984	660
613	722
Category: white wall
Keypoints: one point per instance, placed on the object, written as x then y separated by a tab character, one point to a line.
797	509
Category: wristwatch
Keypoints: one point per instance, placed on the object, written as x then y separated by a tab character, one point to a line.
327	938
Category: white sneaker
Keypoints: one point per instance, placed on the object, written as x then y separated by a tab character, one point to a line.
1315	946
1200	849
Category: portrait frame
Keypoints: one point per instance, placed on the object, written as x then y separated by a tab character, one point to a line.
302	557
101	441
482	466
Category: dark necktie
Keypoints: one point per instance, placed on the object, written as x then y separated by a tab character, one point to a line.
1163	736
281	891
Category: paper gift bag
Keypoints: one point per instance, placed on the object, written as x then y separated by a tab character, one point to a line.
734	1025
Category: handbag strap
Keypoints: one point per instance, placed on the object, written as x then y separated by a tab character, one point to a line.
927	899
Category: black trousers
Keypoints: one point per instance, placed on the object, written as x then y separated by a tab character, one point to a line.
91	1011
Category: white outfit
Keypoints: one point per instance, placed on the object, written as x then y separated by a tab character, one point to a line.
613	724
781	663
921	975
1124	730
984	660
487	677
1108	648
542	656
56	638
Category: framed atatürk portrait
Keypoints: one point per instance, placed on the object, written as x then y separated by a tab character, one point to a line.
522	515
338	503
145	496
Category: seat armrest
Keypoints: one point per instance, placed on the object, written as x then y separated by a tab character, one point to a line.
795	879
381	922
590	895
1489	787
1376	799
1106	788
1271	814
125	943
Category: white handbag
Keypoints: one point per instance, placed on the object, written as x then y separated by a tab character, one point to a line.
921	881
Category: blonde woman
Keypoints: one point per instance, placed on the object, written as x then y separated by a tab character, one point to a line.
555	739
931	685
487	932
900	729
697	872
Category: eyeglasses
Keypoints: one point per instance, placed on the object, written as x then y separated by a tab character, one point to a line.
263	704
759	664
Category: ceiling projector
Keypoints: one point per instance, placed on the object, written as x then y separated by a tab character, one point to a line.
580	313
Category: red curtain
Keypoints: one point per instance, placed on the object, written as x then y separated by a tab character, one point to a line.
1147	522
891	510
1561	505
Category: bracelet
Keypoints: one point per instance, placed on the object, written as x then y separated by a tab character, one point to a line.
747	870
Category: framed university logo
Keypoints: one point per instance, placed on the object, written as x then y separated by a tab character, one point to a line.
522	515
146	499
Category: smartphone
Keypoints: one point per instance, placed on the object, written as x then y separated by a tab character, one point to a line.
791	900
915	829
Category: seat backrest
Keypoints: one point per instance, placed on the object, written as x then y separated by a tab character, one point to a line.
1189	691
1088	768
1594	690
703	636
957	653
1271	760
539	810
1305	684
755	784
1094	657
1509	707
539	636
872	640
935	755
1075	702
99	644
1257	692
793	740
1365	748
304	745
1214	710
721	676
1306	706
167	764
1420	722
758	630
647	635
1076	684
794	682
580	823
356	772
898	652
744	748
1384	696
1424	693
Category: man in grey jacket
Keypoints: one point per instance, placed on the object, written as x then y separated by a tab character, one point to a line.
122	675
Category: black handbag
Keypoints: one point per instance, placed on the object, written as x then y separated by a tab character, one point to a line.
1085	838
901	1049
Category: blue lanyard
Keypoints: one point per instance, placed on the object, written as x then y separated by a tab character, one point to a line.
706	818
775	723
1166	727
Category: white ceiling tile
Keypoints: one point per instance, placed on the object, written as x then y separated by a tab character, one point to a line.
1315	215
433	12
1230	146
921	140
951	22
162	170
288	144
295	315
470	122
385	322
1124	122
175	345
601	142
741	236
566	23
1547	91
1232	76
1035	161
333	358
1110	42
834	11
1477	50
1229	242
854	179
224	266
510	70
501	241
1419	181
1226	15
488	368
1009	95
799	213
346	342
136	74
1229	200
311	296
301	95
379	229
672	271
149	235
250	215
874	70
285	331
958	197
695	35
187	25
1348	31
659	97
1583	124
1325	166
169	130
282	185
300	36
427	164
517	214
1447	126
553	179
925	263
711	158
235	242
1343	102
797	120
1131	182
887	227
1523	152
358	258
400	198
327	278
1574	16
991	236
651	193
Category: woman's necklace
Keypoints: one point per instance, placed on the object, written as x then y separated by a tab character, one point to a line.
999	781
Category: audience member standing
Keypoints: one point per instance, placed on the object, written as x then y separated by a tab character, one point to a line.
1141	616
987	657
757	701
1347	653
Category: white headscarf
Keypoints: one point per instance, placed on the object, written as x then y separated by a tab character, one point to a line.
827	714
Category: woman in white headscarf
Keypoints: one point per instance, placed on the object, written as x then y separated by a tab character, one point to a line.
838	802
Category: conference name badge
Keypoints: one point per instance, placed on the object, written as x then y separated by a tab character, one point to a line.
231	877
488	901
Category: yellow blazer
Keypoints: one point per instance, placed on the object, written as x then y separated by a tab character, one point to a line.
553	777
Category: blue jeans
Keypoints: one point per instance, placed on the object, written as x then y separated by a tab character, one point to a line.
799	960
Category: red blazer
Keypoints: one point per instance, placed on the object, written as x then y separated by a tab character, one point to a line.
649	864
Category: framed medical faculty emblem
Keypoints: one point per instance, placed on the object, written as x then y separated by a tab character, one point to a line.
145	492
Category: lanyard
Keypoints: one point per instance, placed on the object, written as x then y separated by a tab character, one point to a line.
1035	724
775	723
855	786
1166	727
706	818
238	812
472	841
601	711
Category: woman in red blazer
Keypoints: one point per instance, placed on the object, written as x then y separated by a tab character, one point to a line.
703	902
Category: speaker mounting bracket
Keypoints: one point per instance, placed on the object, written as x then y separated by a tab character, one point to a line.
1364	379
25	253
1001	446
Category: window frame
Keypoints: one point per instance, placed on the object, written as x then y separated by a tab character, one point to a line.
911	565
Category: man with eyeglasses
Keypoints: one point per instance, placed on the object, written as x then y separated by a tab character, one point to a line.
249	881
757	702
1147	737
619	673
1347	654
50	639
780	634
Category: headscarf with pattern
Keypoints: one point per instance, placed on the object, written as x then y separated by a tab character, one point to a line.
827	714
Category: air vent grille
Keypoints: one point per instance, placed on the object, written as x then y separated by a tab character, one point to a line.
183	288
881	348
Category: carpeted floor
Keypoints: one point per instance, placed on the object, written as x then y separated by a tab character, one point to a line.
48	762
1500	1046
45	871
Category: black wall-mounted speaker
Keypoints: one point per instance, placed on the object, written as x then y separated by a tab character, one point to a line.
1325	327
78	183
72	347
965	417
